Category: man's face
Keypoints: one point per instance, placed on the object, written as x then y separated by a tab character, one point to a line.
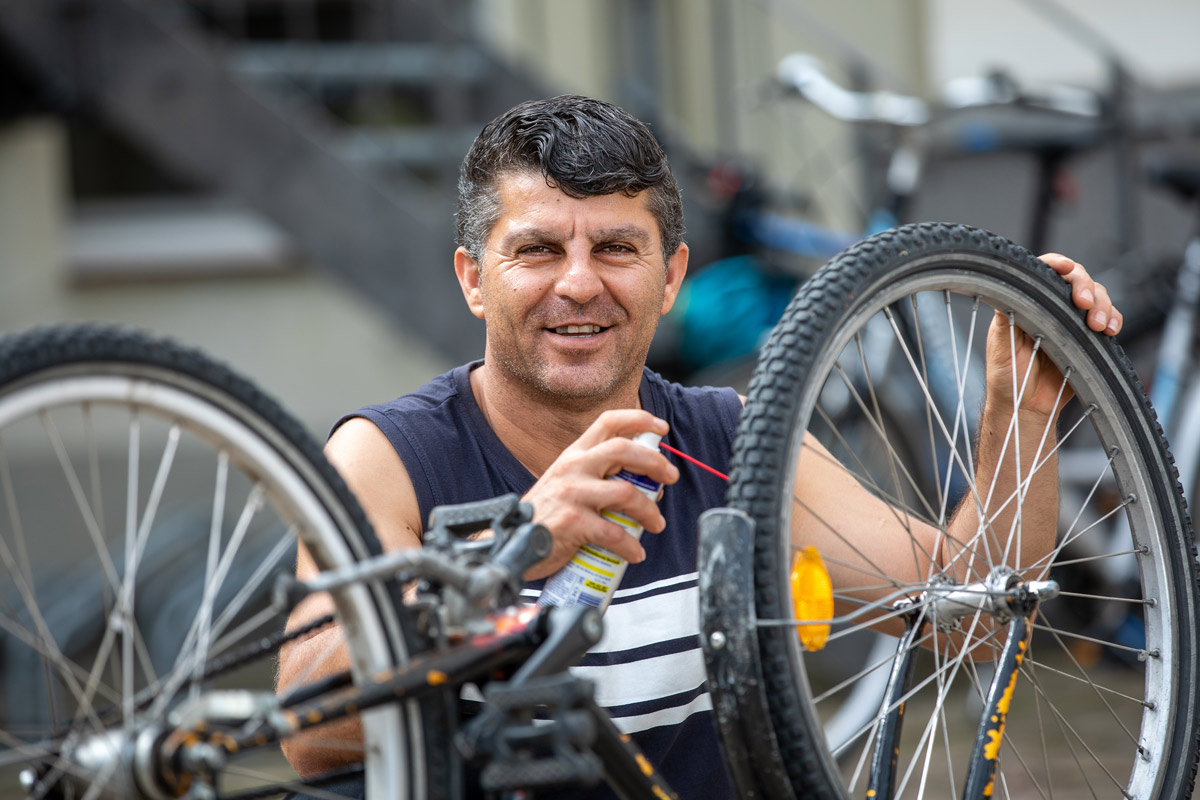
571	288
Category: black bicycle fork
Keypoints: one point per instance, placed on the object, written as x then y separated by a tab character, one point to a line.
985	753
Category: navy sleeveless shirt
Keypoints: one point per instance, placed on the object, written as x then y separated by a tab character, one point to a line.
648	667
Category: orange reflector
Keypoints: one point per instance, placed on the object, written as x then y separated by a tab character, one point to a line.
812	597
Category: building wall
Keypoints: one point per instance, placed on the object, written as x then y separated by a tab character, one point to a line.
317	347
714	57
1065	41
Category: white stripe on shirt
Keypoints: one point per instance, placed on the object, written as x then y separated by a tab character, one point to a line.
648	679
658	618
667	716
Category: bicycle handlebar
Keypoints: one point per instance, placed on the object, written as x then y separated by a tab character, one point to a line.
984	114
805	75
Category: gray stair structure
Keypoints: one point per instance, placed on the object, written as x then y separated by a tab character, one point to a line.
200	113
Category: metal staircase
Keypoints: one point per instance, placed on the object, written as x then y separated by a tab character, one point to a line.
340	120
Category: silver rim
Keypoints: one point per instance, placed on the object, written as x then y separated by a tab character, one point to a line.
1128	692
144	516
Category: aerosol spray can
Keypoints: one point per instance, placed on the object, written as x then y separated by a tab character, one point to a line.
592	574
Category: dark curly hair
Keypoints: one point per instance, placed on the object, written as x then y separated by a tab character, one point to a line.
583	147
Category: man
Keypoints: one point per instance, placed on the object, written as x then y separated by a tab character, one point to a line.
570	248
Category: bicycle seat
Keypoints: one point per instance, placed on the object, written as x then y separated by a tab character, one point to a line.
1007	128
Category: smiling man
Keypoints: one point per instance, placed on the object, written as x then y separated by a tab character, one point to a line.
570	249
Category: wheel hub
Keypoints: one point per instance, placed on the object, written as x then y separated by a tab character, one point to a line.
1002	595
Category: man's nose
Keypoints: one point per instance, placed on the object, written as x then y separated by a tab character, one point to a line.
579	280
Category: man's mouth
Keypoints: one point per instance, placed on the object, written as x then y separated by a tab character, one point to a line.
578	330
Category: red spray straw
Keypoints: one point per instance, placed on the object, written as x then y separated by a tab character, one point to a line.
697	462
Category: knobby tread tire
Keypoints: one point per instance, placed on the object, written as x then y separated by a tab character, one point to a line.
768	425
91	348
38	349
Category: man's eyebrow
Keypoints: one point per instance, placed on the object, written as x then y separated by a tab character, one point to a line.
629	233
531	234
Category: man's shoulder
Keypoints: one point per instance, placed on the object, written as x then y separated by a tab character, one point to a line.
442	389
440	395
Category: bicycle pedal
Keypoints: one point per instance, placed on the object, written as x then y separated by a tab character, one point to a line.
558	691
574	770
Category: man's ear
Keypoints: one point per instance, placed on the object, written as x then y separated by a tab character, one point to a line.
468	280
676	268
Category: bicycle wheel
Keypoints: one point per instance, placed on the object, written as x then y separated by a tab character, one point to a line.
148	499
1100	708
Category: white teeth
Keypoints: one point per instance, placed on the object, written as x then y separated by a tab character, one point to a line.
578	329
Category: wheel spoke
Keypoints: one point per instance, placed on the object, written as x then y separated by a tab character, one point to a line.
1100	696
81	502
44	645
267	567
191	654
1073	737
961	376
861	472
204	616
896	467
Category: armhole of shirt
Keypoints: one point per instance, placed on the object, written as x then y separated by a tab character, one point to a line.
411	455
732	408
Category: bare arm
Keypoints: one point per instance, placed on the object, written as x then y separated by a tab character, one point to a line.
1011	513
867	542
376	475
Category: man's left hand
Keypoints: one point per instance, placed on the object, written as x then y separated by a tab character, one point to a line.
1088	294
1043	392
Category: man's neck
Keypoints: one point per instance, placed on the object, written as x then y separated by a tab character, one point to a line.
536	427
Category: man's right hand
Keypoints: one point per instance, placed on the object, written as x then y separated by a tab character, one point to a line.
570	495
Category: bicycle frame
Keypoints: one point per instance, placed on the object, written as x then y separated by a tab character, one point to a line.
531	646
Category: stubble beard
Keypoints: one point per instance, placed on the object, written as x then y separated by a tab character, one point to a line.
577	386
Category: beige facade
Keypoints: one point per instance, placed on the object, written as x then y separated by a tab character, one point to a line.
316	346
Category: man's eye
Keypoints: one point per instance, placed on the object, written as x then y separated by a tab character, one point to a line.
534	249
616	248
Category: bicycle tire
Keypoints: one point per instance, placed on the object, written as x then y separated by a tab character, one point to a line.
124	581
1145	742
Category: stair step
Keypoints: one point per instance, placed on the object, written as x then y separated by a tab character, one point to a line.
173	237
360	63
430	145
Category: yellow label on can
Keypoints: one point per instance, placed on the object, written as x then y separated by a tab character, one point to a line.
602	555
580	558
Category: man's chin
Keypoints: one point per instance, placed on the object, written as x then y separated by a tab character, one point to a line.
580	383
585	387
